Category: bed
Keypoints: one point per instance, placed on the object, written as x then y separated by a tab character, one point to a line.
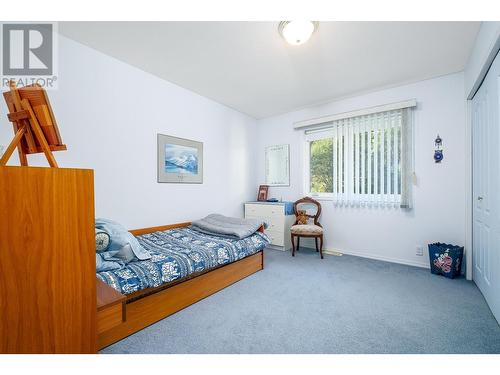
186	266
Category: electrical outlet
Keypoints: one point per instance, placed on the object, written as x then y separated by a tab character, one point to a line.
420	250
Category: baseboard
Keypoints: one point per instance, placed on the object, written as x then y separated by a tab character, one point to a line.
276	247
337	252
377	257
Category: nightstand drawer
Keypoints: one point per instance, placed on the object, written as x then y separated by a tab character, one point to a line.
110	307
264	210
110	317
273	223
276	238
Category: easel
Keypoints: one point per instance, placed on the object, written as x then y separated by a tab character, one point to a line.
35	127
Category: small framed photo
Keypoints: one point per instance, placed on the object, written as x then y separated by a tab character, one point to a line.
179	160
262	195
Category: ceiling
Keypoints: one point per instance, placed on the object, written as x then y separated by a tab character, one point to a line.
249	67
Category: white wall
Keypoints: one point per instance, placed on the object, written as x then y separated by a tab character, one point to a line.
439	198
109	114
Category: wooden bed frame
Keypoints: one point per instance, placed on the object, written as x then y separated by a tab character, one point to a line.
145	307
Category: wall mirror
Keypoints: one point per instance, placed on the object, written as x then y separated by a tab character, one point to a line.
278	165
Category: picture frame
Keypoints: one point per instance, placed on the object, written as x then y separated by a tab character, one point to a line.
262	194
179	160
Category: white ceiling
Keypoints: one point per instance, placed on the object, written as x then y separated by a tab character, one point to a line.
247	66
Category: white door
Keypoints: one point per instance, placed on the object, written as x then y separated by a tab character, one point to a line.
486	188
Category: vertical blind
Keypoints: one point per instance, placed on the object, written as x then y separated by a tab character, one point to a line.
371	159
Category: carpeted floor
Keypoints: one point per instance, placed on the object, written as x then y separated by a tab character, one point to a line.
336	305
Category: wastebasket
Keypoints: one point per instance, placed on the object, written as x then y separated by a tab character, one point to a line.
445	259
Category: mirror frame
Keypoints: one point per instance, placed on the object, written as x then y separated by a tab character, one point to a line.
287	162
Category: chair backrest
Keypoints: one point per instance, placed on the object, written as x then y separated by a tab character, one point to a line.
309	201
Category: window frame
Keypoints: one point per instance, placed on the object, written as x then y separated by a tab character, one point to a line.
307	159
327	131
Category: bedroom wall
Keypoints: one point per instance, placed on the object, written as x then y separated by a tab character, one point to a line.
439	197
109	114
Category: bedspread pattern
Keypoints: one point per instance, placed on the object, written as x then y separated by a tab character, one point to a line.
177	253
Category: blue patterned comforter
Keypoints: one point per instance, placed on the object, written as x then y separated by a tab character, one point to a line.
177	253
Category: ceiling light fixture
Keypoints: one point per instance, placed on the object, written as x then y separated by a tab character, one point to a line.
297	32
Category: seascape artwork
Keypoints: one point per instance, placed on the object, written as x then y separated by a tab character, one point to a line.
181	159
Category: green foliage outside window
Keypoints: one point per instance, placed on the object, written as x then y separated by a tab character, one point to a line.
321	165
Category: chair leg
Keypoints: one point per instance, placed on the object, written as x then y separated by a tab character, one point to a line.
321	246
316	243
293	245
298	243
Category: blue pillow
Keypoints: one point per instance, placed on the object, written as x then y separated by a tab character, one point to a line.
123	245
107	265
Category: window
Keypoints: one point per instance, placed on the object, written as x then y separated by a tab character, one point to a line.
321	165
360	160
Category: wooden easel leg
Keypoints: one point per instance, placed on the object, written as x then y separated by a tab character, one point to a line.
16	100
22	156
12	146
35	126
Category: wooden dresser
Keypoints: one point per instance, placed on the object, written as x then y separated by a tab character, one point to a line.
277	219
47	261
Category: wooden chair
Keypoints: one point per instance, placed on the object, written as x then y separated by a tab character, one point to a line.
314	230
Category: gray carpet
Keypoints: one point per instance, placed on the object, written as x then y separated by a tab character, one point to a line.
336	305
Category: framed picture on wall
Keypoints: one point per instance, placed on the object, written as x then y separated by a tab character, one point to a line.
179	160
262	195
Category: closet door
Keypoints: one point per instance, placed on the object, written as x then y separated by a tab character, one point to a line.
486	188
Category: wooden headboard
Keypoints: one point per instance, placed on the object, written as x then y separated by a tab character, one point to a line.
138	232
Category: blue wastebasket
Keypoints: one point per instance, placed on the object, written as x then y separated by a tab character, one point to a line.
446	259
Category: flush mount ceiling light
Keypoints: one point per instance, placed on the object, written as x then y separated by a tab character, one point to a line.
297	32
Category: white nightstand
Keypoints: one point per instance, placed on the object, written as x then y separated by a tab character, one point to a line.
279	218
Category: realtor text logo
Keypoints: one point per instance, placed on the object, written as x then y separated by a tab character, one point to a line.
28	54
